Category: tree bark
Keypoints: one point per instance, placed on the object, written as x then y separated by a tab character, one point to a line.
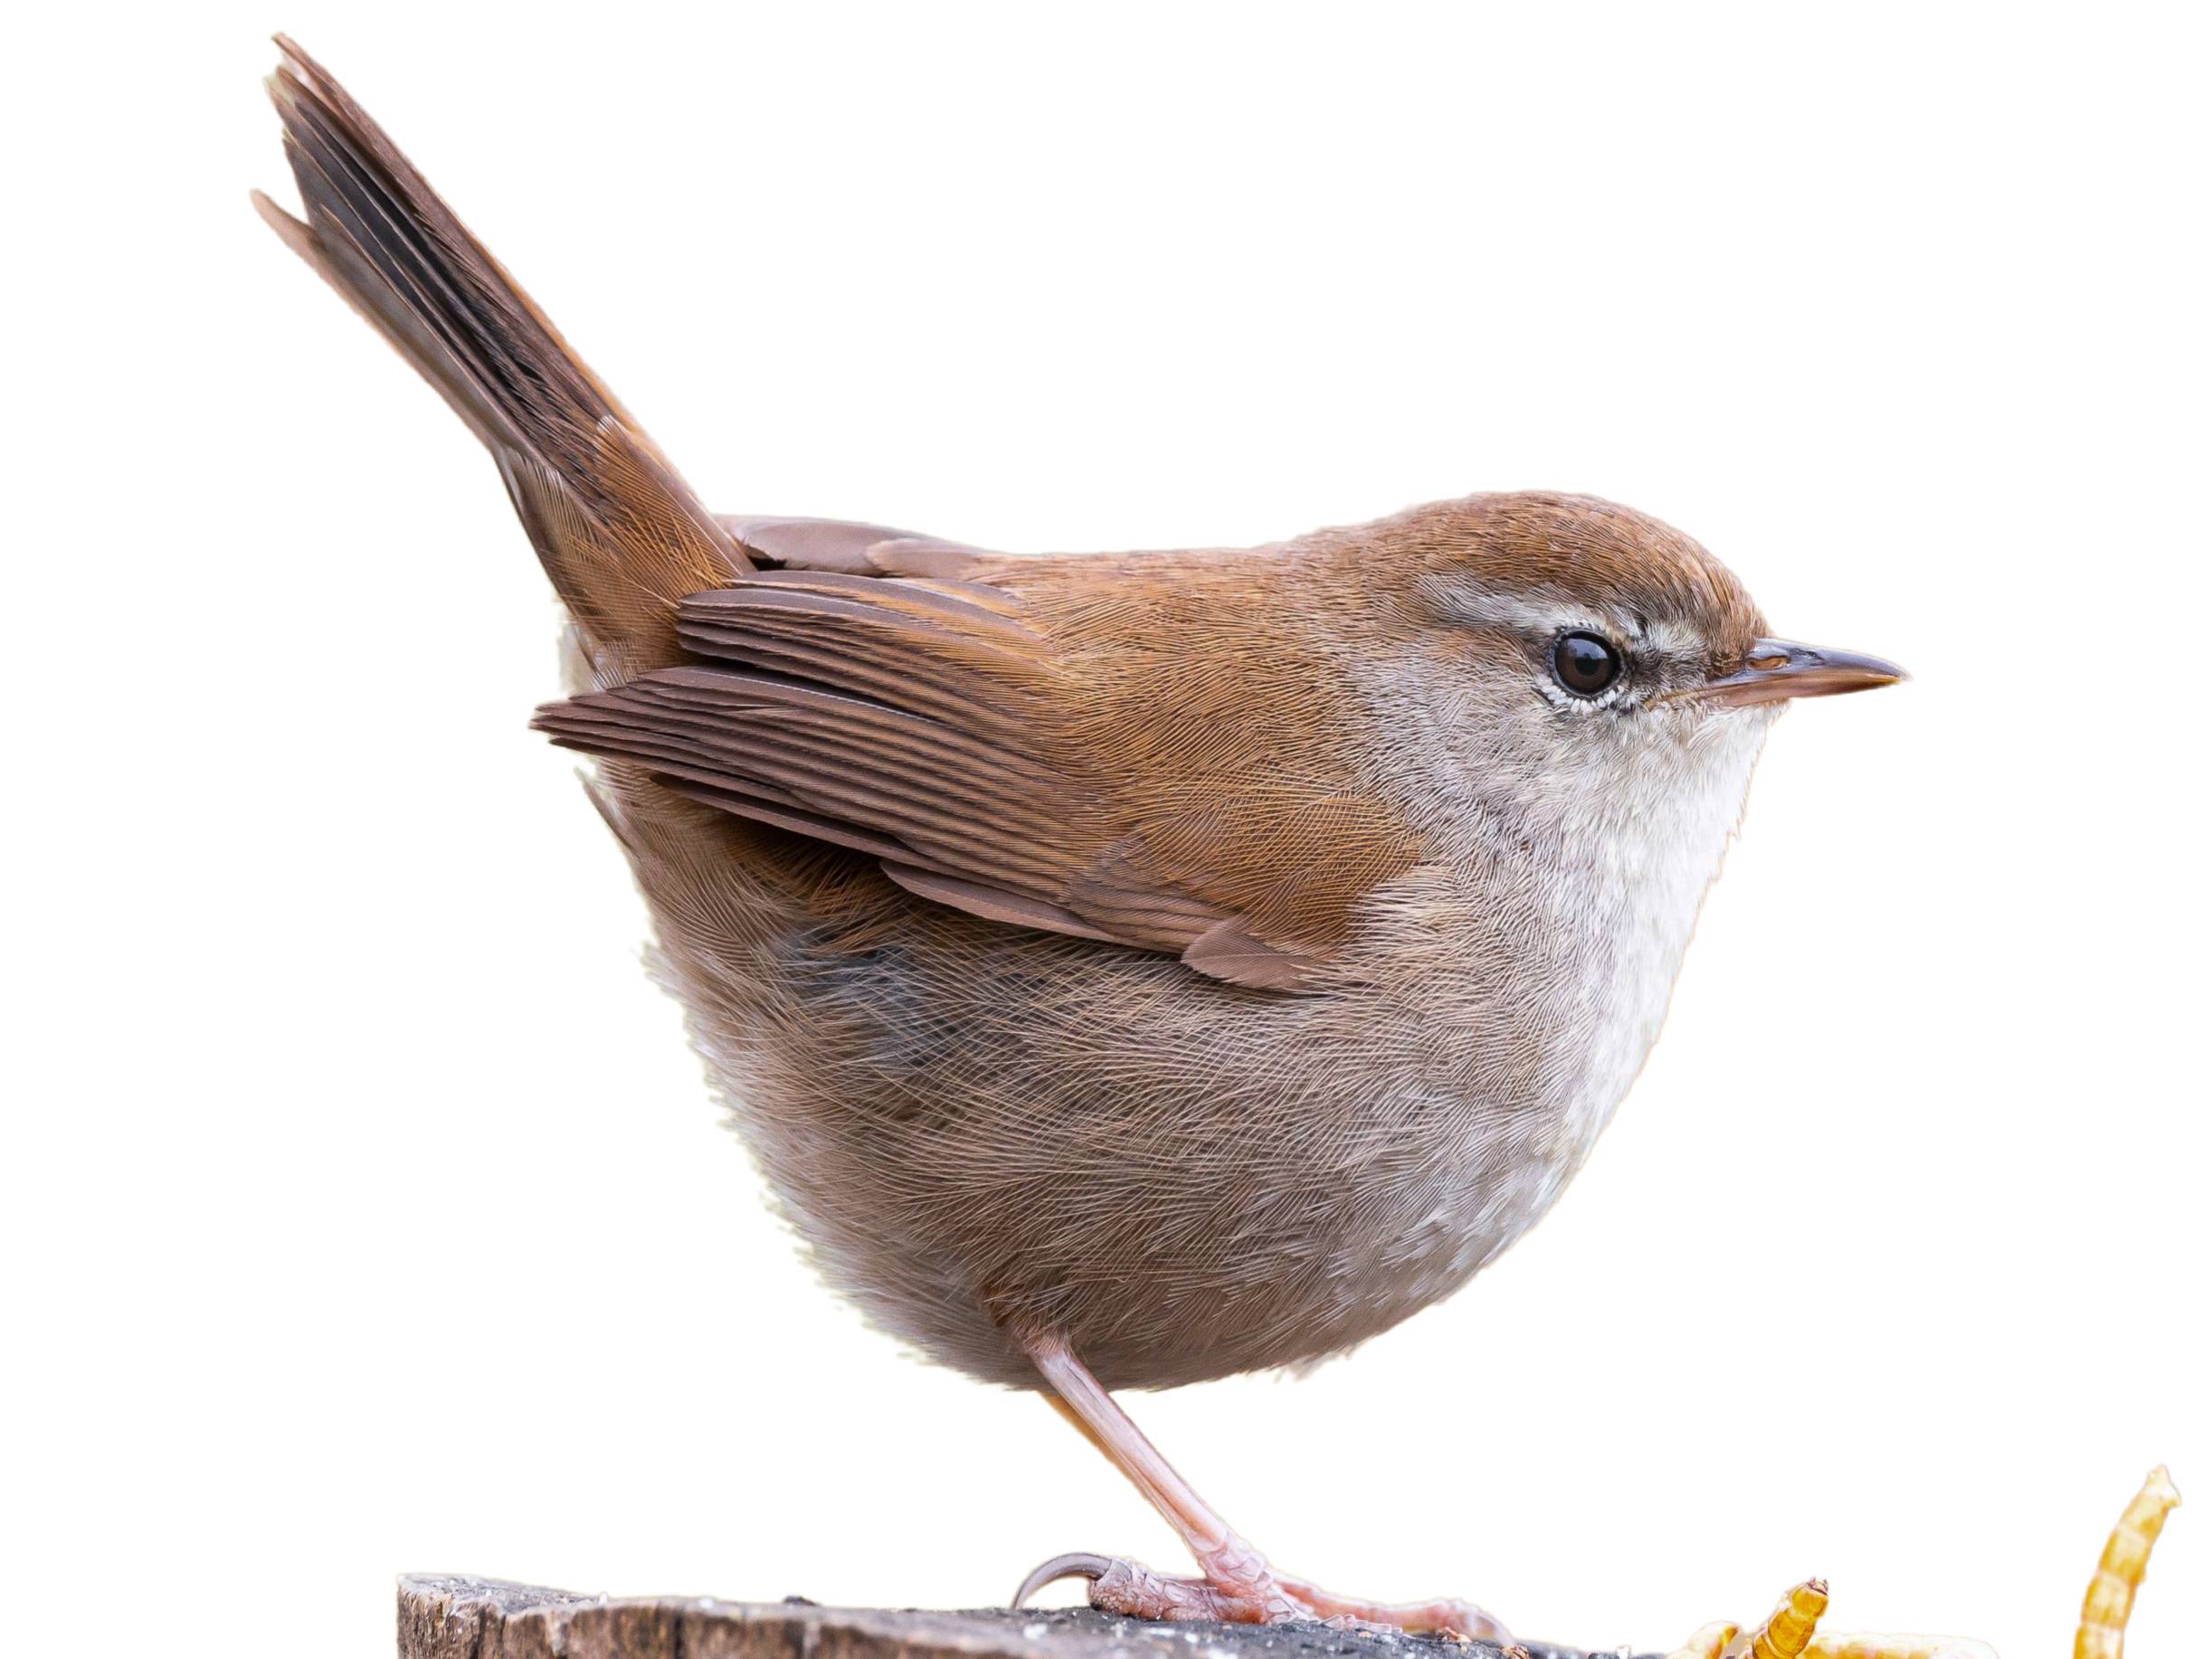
482	1618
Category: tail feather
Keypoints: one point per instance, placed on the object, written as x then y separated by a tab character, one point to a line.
620	536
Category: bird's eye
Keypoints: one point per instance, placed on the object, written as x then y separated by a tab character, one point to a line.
1585	664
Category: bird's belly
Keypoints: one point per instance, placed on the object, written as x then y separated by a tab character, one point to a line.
976	1132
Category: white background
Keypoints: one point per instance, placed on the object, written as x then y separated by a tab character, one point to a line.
363	1208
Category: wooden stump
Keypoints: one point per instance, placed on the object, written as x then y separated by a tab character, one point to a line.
482	1618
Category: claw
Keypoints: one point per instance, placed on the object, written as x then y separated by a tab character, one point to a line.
1077	1564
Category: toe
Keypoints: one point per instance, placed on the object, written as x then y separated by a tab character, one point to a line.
1075	1565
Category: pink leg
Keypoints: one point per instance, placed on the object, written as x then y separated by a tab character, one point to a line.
1236	1585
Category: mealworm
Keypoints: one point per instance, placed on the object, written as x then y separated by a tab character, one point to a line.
1882	1644
1789	1627
1707	1641
2111	1593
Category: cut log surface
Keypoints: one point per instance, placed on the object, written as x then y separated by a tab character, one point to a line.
482	1618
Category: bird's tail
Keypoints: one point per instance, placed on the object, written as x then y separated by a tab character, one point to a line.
620	534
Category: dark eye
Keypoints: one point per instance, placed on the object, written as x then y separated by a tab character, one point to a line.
1585	664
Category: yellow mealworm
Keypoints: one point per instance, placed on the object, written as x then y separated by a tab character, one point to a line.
1874	1644
1707	1641
1790	1626
2111	1593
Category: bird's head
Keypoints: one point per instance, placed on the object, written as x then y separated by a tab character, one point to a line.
1585	663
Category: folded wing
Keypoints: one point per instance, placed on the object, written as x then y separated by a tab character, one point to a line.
921	720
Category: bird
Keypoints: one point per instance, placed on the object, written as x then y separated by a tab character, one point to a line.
1126	969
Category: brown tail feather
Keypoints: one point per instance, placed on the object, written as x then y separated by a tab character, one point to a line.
621	536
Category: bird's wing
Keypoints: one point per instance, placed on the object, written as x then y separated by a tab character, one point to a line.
944	726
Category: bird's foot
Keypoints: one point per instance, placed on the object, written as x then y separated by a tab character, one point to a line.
1238	1587
1447	1615
1134	1590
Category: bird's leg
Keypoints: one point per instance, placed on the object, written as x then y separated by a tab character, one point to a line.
1236	1585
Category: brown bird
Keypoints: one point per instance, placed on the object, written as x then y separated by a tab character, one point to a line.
1128	969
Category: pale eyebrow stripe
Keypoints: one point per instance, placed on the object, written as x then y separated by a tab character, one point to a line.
1485	607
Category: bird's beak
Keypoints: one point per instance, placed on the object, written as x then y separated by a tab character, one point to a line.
1773	669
